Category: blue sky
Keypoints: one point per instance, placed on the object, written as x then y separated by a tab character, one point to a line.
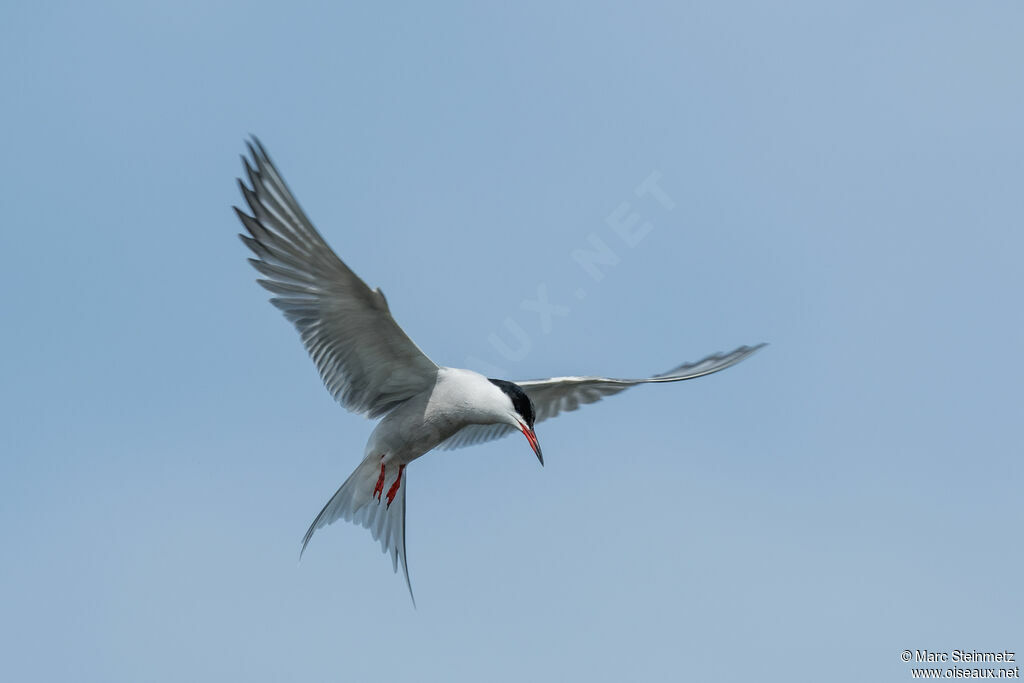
845	183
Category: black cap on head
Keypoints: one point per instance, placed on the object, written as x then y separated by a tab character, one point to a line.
520	401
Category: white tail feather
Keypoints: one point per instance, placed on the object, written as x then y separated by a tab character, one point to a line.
355	501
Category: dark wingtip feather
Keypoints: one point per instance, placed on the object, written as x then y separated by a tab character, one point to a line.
252	151
250	223
251	172
259	145
256	248
251	199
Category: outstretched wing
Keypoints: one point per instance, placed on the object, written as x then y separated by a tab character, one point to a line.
556	395
365	359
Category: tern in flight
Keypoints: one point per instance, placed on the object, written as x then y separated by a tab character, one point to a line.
371	366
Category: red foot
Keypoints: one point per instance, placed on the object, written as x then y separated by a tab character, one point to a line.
394	487
379	488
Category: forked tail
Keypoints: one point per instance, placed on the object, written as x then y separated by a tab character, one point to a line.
374	496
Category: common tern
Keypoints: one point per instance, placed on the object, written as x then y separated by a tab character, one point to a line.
371	367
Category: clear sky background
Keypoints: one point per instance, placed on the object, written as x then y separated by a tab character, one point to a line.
847	185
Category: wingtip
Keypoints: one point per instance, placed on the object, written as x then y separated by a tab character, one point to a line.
745	352
309	533
411	596
260	147
242	215
252	152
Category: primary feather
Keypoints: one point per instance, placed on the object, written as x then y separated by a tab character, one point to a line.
365	359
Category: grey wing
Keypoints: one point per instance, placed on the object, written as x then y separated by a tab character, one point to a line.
474	434
556	395
365	359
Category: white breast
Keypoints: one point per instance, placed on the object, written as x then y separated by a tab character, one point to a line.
458	398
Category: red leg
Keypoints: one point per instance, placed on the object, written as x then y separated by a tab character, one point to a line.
379	488
394	487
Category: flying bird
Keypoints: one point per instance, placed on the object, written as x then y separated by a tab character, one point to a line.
371	367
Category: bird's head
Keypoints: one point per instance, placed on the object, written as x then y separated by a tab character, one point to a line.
520	412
